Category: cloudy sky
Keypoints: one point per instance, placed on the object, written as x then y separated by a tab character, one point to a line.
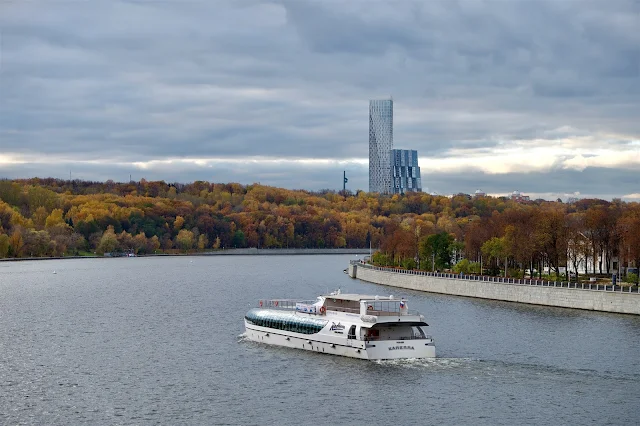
541	96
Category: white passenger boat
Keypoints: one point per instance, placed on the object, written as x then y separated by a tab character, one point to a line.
353	325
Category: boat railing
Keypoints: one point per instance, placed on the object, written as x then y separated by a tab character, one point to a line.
284	304
413	337
347	310
391	313
377	313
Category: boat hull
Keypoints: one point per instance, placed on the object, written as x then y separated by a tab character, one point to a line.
322	343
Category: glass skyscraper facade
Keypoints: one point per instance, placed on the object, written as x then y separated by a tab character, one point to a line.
405	171
380	145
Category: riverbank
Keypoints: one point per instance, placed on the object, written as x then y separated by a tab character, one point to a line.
532	292
228	252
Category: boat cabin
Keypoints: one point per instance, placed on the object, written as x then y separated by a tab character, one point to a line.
367	305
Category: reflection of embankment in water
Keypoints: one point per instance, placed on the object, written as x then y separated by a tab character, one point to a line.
494	368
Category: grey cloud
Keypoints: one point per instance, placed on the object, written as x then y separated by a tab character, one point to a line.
591	183
291	176
328	29
153	80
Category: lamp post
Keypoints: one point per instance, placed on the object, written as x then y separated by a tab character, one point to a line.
344	183
418	229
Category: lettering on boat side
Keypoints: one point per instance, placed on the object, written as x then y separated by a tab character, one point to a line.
337	328
395	348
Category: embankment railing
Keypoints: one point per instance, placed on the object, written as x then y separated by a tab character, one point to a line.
633	289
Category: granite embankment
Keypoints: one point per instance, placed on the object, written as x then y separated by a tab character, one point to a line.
564	295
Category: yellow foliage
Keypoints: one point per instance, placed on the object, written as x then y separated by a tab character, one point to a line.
55	218
18	219
177	224
39	217
203	241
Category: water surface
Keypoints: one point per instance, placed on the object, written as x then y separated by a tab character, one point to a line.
160	341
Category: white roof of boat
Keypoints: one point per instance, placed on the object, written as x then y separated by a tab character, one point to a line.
357	297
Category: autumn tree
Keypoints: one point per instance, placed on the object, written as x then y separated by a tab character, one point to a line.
141	244
154	244
578	245
177	224
16	243
495	251
629	231
54	219
4	245
216	243
203	241
599	231
185	239
108	241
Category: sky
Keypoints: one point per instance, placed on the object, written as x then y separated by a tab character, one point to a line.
539	96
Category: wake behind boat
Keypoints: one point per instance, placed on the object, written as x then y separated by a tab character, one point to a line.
353	325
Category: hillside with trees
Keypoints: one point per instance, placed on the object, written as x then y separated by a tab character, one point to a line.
51	217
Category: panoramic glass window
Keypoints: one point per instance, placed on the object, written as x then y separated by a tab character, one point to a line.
283	320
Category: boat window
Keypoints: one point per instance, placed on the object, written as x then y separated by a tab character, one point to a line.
285	321
418	333
352	332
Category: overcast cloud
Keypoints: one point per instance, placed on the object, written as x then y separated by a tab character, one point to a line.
542	96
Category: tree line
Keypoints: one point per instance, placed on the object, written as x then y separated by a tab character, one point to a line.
53	217
589	236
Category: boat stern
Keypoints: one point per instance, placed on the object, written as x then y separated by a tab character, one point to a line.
401	349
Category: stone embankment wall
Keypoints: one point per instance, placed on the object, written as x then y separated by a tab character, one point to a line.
576	298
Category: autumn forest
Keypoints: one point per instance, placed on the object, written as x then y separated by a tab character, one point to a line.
51	217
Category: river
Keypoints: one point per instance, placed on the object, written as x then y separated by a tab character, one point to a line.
159	341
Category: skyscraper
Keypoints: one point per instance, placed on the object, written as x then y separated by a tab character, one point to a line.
405	171
380	145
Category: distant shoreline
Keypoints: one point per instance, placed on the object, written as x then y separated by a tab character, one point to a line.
228	252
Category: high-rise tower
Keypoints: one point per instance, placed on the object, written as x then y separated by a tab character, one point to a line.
380	145
405	170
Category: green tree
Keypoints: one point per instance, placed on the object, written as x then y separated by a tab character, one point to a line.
381	259
437	250
238	239
495	250
463	266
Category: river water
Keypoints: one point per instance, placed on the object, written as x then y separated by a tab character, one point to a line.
159	341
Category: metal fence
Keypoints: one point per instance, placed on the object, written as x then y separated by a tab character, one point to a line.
629	289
